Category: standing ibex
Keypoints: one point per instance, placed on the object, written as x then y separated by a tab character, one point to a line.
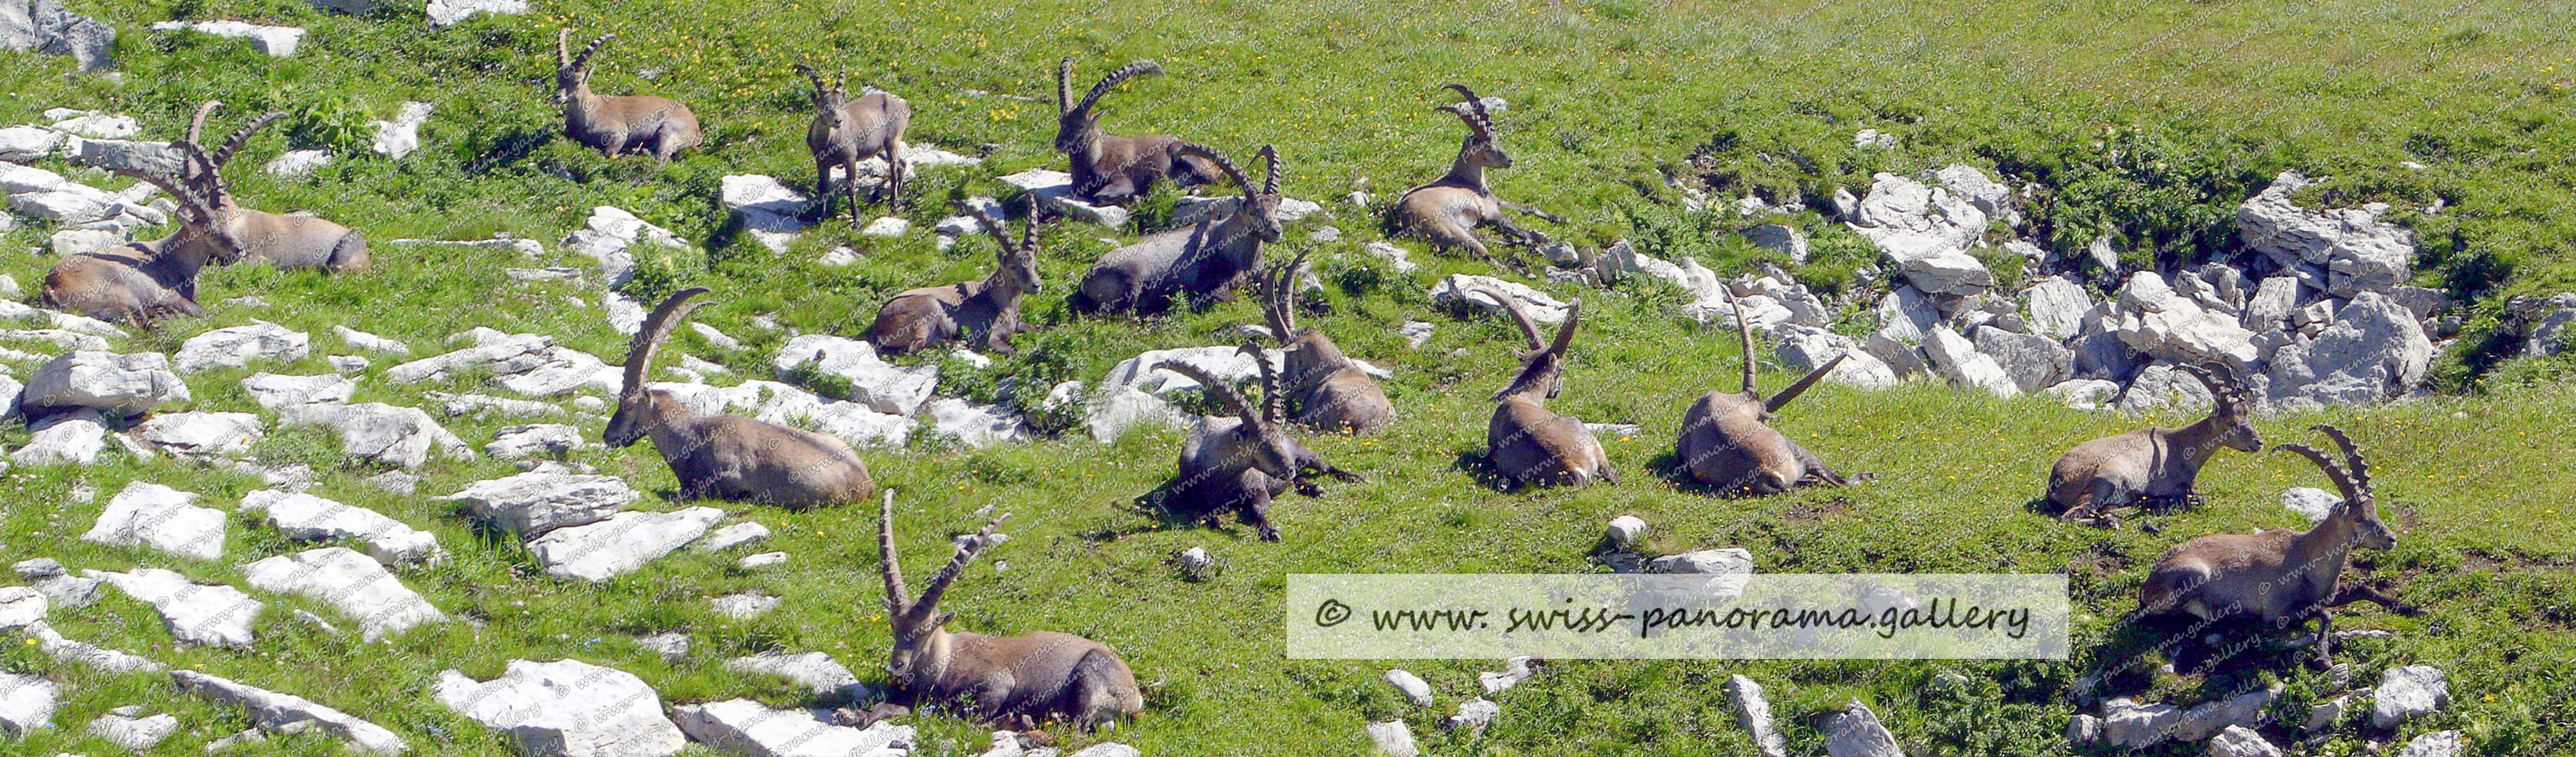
1016	678
2154	466
845	132
1112	170
1727	441
1448	210
1200	262
616	124
1524	442
139	282
986	312
1331	391
2276	575
286	242
728	456
1244	461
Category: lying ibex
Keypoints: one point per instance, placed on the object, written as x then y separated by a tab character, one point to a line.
1244	461
617	124
1331	391
1447	211
984	312
1727	441
1112	170
728	456
847	131
143	281
1042	675
2276	575
286	242
2154	466
1524	442
1199	263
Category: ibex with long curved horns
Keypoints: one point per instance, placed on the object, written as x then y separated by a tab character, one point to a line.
1447	211
985	312
1244	461
1041	675
1727	440
2276	575
143	281
847	131
1332	392
2154	466
1524	442
287	242
728	456
617	124
1113	170
1200	263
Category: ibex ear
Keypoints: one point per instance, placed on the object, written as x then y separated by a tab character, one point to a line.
940	620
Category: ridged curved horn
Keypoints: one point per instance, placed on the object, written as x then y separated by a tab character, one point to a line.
896	596
2231	387
2343	481
1279	297
1565	332
1472	111
1744	328
1029	228
185	192
1222	164
197	125
1270	182
1529	331
1224	393
1269	383
2353	464
816	77
1111	81
639	358
2217	388
1064	85
583	60
922	609
1782	399
242	137
563	48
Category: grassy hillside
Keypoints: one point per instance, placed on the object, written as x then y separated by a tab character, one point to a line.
2148	121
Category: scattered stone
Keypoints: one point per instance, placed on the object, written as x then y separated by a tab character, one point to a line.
305	517
2167	326
20	606
1803	350
277	392
2435	744
284	713
2310	503
1099	750
26	144
608	237
26	703
73	438
2359	252
1393	739
297	164
2375	350
116	385
371	343
2130	726
123	728
379	432
1055	190
533	504
762	560
2324	716
875	383
732	536
1786	240
44	26
354	583
671	646
59	587
201	434
1456	289
1415	333
530	440
1514	671
2056	307
566	708
274	41
156	516
1854	731
1754	713
744	606
1625	530
1194	563
2084	730
1192	209
1411	686
2240	741
400	136
889	226
104	660
975	426
1393	256
483	405
817	672
746	727
2406	693
195	613
1954	358
395	482
768	210
621	543
1473	715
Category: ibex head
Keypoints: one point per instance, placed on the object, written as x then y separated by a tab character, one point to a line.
205	200
572	72
1480	148
1271	451
831	101
2352	479
1543	365
1079	122
919	627
1017	260
640	410
1259	207
2234	414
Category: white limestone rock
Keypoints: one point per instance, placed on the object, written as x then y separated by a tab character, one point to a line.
354	583
73	438
165	519
817	672
201	434
534	439
129	729
566	708
273	41
26	703
305	517
116	385
2406	693
273	711
769	211
746	727
874	383
1463	290
380	432
195	613
1854	731
535	503
619	544
278	392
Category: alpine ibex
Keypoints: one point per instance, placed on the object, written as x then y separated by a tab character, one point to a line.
1112	170
1331	391
617	124
986	312
1016	678
2277	575
1447	211
1727	441
847	131
2154	466
1524	442
1199	263
286	242
143	281
728	456
1242	462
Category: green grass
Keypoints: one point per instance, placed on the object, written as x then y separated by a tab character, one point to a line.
2147	120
